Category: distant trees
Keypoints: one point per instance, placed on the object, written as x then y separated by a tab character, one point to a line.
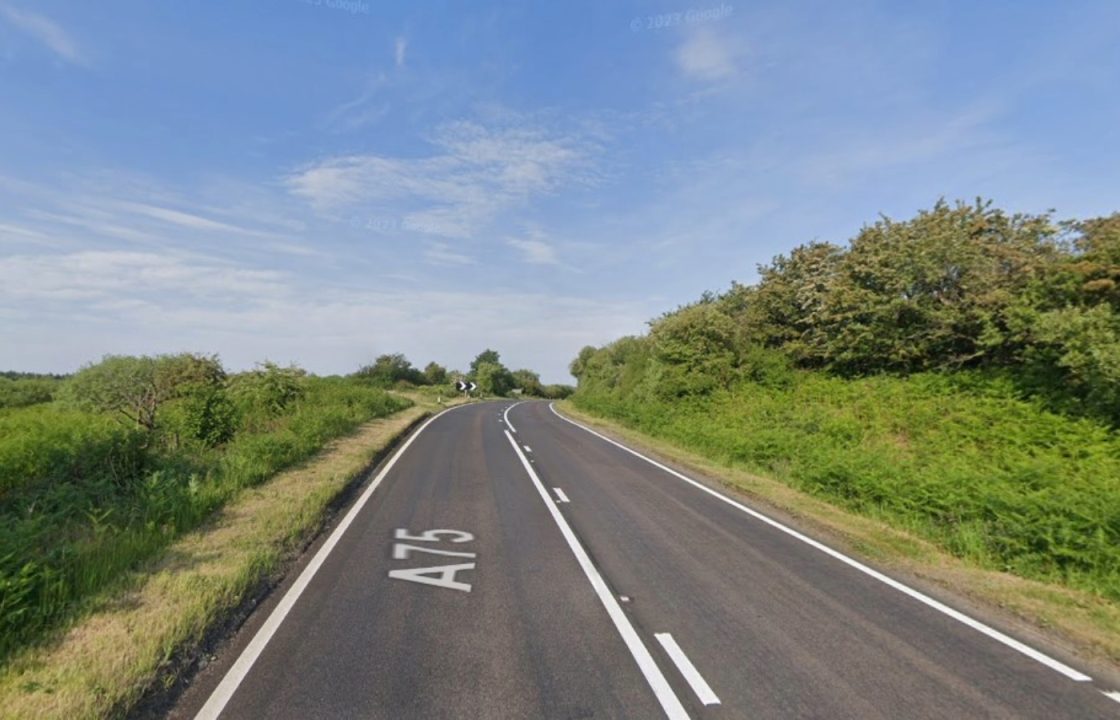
390	369
486	370
435	374
24	391
486	356
528	382
492	377
961	285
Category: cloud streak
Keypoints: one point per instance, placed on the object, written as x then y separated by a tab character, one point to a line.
45	31
474	175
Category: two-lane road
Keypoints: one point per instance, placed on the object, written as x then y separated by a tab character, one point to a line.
507	563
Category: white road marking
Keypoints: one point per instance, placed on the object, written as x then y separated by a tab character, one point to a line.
691	674
1111	695
528	449
401	551
560	495
921	597
229	684
670	703
506	415
446	577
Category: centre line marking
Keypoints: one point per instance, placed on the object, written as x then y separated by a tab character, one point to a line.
1052	663
691	674
506	415
560	495
670	703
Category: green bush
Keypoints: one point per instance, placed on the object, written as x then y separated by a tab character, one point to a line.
85	497
44	445
21	392
959	459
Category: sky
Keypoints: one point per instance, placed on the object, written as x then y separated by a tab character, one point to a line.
324	181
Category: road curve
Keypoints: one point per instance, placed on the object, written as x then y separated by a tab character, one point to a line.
574	579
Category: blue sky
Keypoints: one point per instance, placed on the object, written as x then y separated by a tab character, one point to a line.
322	181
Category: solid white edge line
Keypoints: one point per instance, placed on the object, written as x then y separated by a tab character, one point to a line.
921	597
506	415
699	686
560	494
1111	695
670	703
237	672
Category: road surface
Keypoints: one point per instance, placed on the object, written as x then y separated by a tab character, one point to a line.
507	563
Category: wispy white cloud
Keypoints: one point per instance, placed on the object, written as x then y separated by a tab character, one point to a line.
443	254
534	250
863	151
45	31
362	111
115	274
399	50
707	55
474	174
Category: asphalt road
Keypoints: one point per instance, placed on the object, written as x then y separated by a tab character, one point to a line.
570	578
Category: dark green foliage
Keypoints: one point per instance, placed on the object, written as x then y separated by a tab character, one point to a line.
529	382
958	459
557	392
486	356
435	374
136	387
269	390
21	392
388	370
493	379
85	497
1007	454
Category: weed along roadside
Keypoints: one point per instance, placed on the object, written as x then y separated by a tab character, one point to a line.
133	641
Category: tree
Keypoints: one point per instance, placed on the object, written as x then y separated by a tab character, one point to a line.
529	382
136	387
697	349
390	369
938	291
785	308
486	356
270	388
579	365
493	378
435	374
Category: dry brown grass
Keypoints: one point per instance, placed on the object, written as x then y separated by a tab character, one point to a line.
111	656
1076	622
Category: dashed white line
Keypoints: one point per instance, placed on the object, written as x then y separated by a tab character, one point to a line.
1111	695
506	415
528	449
921	597
560	496
670	703
229	684
691	674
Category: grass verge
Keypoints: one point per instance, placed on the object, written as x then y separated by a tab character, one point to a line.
124	644
1079	622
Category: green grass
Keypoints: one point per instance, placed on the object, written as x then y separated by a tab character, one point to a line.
959	460
84	498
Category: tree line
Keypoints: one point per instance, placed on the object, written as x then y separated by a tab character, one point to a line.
958	286
486	370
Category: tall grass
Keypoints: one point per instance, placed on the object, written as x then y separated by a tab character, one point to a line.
84	498
960	460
